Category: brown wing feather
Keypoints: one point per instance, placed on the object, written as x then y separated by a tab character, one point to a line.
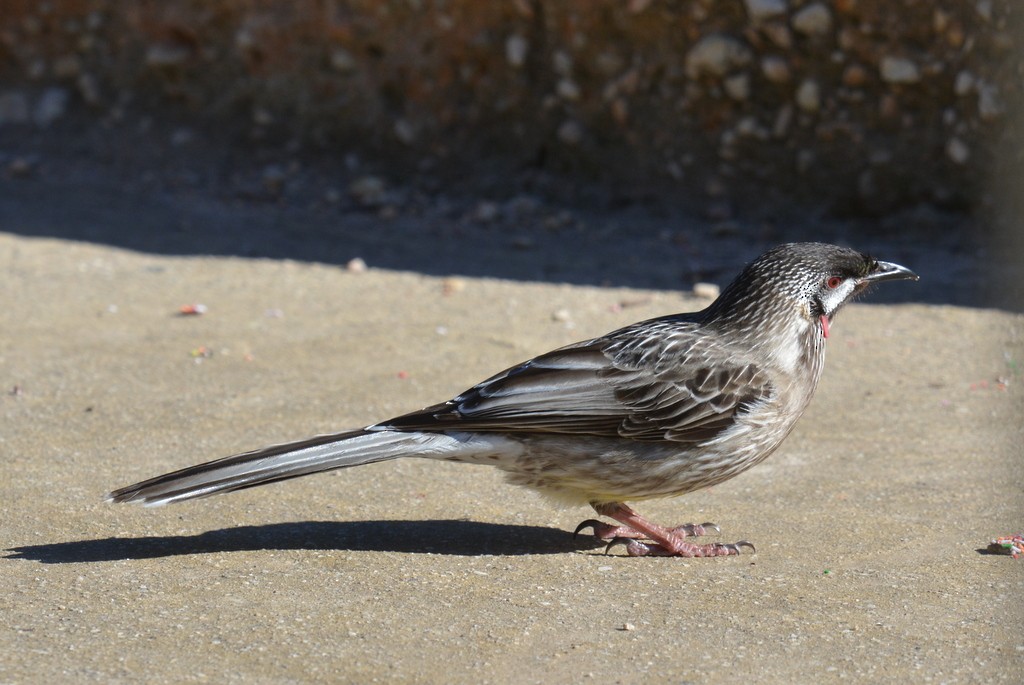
641	387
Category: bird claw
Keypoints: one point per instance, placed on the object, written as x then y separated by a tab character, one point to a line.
742	543
594	523
635	548
697	529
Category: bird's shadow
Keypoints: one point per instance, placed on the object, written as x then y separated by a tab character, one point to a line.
456	537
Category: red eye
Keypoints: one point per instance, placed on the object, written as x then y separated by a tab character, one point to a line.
833	282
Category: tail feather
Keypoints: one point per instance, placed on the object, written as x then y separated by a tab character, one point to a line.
280	462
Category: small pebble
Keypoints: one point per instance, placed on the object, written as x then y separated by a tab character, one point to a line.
990	105
855	76
813	20
356	265
196	309
405	132
760	10
957	151
452	285
516	49
964	83
716	55
737	87
706	291
808	96
562	315
775	69
899	70
342	61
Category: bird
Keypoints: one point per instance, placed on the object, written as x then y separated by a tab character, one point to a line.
659	408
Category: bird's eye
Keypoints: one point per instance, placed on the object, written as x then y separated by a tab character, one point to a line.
833	282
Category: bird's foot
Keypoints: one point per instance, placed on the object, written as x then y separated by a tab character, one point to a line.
606	531
643	538
636	548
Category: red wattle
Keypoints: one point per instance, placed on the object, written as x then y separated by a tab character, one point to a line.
824	325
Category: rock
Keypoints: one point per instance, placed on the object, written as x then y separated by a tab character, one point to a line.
748	127
899	70
14	107
568	90
779	34
405	131
990	105
52	105
563	315
808	96
342	61
706	291
964	83
737	87
452	285
561	61
855	76
775	69
356	265
813	20
783	119
516	48
957	151
570	133
716	55
760	10
984	9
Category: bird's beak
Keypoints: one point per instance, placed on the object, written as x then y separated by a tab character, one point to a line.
887	271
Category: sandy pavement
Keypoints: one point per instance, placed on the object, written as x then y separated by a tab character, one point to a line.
868	522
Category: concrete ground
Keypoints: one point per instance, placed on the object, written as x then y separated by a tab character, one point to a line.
870	523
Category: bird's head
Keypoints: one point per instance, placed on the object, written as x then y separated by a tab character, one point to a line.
801	282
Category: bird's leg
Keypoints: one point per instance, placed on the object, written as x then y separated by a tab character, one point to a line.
606	531
664	541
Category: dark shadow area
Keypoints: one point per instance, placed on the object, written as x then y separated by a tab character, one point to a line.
632	246
461	538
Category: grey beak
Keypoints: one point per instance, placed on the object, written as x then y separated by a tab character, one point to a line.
887	271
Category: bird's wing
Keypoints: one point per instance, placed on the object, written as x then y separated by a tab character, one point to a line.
656	383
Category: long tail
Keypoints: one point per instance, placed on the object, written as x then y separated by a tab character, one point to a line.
322	453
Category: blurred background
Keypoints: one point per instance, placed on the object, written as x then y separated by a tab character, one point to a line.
650	143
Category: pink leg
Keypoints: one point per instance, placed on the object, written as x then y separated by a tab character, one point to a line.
664	541
606	531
